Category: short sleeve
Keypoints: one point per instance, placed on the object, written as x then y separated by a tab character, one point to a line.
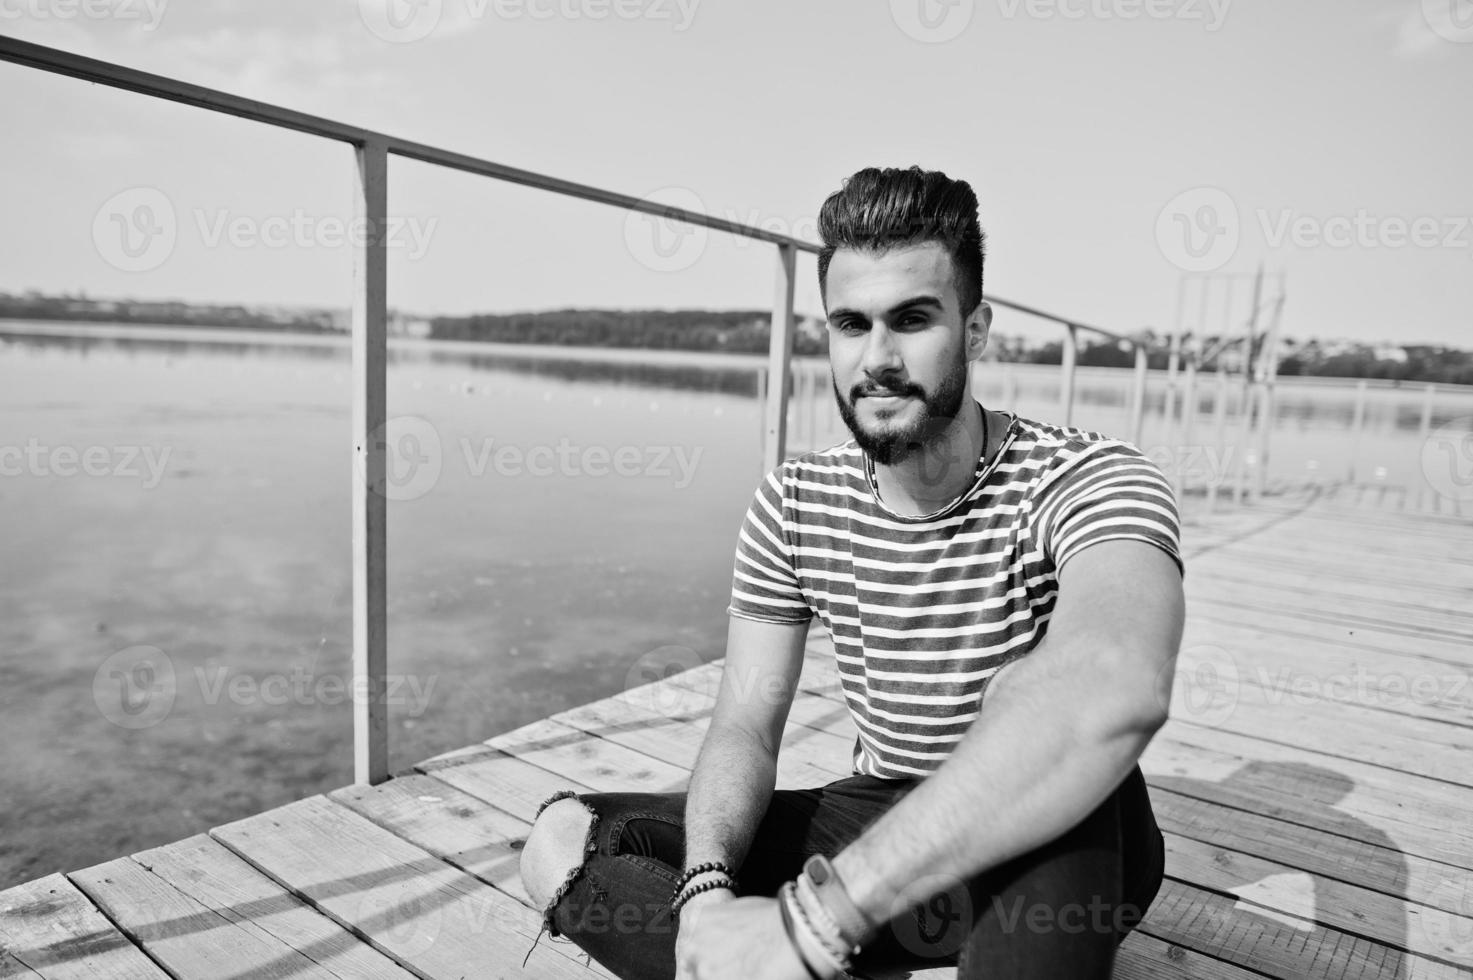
764	584
1110	492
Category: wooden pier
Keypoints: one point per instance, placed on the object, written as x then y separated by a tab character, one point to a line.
1315	787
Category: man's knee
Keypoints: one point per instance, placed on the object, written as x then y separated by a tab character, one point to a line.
555	849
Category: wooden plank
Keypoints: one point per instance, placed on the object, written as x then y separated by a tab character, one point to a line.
504	781
449	823
1324	607
215	877
1275	944
13	969
1333	629
1312	849
604	765
52	929
1404	604
187	938
1366	803
427	915
1387	919
1425	747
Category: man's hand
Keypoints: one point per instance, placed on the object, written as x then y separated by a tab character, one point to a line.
732	938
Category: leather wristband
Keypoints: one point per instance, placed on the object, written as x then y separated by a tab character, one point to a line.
854	928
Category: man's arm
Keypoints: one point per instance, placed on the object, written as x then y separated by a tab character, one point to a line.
736	770
1059	729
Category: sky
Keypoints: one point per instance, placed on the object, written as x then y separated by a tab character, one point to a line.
1136	160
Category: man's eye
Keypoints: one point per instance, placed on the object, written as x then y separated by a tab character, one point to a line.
849	326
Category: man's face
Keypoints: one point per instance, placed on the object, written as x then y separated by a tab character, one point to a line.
898	347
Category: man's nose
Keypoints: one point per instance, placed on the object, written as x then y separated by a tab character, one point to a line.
881	355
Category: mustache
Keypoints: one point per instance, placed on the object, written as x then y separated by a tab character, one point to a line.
863	390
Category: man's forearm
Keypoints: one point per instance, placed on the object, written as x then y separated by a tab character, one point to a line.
1043	754
730	789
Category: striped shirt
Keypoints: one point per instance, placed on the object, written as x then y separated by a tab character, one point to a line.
924	611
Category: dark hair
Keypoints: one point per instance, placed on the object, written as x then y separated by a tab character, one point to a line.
877	210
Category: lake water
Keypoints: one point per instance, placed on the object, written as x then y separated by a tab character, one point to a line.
563	526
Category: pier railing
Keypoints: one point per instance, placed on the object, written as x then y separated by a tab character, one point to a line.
372	150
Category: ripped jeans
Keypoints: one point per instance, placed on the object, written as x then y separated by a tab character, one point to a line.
1058	911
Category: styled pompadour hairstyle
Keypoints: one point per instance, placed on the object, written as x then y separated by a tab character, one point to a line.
877	210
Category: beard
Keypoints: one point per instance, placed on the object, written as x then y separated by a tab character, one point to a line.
890	442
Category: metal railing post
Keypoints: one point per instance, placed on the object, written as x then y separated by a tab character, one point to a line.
1066	389
779	359
1138	394
1357	423
369	374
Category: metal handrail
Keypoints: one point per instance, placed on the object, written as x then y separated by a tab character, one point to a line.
369	334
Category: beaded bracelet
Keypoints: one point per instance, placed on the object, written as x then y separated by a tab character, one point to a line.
686	894
692	873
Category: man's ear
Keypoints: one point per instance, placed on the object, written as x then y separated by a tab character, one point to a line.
978	325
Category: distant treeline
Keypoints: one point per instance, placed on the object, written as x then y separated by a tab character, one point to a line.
164	313
738	331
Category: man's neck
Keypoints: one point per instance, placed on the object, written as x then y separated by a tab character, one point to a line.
933	477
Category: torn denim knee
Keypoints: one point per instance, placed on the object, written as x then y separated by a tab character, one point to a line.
590	845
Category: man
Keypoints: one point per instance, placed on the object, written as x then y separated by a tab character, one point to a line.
1005	602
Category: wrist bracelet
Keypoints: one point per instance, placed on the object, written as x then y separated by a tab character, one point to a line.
691	891
828	890
782	904
692	873
835	963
